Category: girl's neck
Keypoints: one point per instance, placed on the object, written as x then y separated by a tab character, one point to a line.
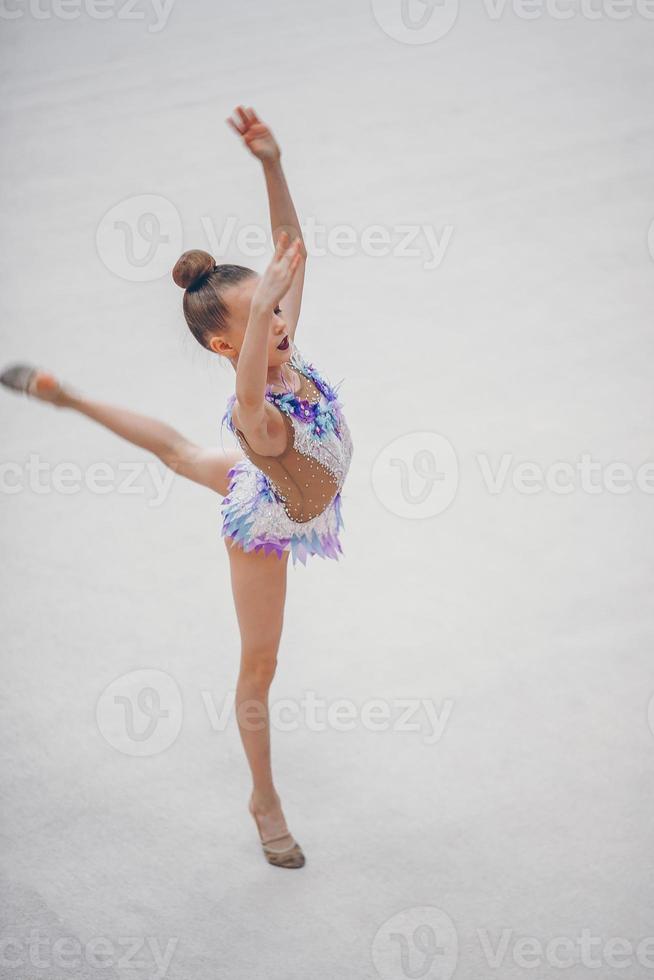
278	379
276	376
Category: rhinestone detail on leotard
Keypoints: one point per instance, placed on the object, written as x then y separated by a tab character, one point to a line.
258	511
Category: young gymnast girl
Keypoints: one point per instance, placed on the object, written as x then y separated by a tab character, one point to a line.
282	485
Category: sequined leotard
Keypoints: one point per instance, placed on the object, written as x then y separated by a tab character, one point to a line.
292	501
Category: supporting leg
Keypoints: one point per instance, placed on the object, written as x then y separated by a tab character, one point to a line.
259	590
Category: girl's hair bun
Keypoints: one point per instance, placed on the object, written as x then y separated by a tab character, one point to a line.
192	267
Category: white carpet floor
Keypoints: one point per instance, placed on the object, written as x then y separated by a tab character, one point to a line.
479	805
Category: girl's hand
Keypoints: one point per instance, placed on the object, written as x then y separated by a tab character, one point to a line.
276	280
256	135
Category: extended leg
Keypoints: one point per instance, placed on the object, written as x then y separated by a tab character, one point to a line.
206	466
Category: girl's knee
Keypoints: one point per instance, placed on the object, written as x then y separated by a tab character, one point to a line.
258	667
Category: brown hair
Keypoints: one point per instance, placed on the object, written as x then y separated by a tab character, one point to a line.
204	284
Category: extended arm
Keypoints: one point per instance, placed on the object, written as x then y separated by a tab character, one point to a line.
283	216
260	422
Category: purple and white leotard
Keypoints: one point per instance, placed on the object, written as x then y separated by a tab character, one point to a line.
292	501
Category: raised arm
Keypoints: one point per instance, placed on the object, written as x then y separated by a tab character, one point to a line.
283	217
260	422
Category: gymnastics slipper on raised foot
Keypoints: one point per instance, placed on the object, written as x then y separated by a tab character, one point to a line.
289	857
18	377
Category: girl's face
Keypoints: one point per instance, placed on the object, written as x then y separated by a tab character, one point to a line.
228	343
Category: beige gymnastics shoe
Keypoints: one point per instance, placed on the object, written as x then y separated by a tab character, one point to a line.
287	857
29	380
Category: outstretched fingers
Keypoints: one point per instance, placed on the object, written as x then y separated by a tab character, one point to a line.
236	125
246	119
